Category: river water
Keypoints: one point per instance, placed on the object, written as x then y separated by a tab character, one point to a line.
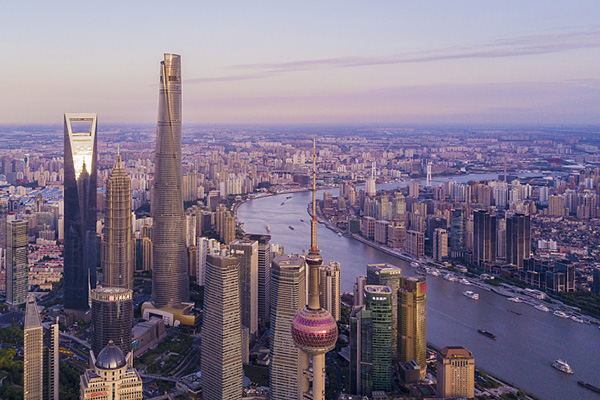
526	345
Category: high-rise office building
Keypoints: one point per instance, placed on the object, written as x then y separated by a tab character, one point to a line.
118	254
112	376
329	286
80	252
387	275
264	274
370	186
413	189
485	243
440	244
289	296
33	352
378	300
17	266
222	373
359	290
314	330
415	243
361	350
246	252
518	239
112	318
412	321
51	362
170	286
458	232
455	373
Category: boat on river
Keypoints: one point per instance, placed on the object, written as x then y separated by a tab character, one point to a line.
541	307
414	264
464	281
560	314
514	312
515	299
472	295
562	366
450	277
589	386
486	333
577	319
268	228
291	227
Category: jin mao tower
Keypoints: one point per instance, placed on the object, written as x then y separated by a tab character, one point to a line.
118	252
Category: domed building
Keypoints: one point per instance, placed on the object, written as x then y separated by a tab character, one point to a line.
112	376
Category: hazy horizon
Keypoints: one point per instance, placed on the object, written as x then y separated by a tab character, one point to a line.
338	62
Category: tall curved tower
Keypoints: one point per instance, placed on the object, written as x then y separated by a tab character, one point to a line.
170	285
314	330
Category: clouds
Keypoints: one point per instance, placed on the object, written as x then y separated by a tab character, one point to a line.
555	41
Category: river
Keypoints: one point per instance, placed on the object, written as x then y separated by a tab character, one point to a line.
526	345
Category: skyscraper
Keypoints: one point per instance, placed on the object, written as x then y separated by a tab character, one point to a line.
246	252
329	286
222	374
17	266
455	373
361	350
33	353
440	244
458	232
112	318
80	253
289	296
118	254
314	330
485	243
387	275
51	362
170	287
412	321
264	275
378	300
518	239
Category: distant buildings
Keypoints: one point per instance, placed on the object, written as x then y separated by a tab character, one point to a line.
415	244
17	267
80	252
455	373
596	280
440	244
485	242
118	253
222	373
412	321
518	239
112	318
287	364
112	376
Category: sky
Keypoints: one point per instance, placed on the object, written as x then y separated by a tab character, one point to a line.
257	62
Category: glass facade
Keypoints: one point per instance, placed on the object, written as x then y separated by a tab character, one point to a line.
112	318
80	253
170	275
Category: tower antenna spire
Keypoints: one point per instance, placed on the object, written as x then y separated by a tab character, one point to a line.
313	226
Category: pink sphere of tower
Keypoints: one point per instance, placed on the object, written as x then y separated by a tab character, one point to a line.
314	331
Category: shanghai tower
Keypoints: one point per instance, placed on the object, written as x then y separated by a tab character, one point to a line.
170	287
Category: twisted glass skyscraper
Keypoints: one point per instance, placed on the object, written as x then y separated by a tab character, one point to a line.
170	275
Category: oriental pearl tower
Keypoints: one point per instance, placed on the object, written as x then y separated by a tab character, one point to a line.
314	330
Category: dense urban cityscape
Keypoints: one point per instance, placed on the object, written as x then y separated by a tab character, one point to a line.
510	211
333	201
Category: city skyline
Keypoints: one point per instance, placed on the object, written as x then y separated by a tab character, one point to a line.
396	63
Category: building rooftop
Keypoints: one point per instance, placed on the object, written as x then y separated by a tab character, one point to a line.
378	289
455	352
